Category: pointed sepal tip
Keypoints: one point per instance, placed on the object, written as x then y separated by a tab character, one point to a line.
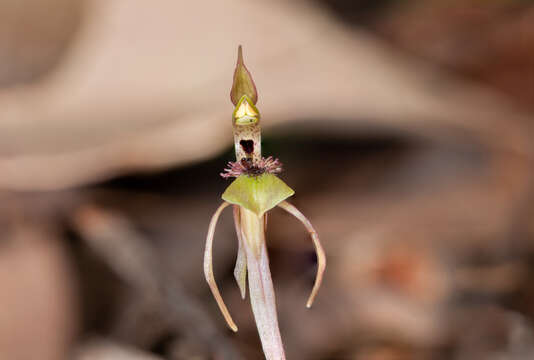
243	83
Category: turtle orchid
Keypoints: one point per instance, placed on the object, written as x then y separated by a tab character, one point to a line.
255	190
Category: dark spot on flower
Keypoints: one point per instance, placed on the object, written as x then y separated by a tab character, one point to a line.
247	145
246	163
251	169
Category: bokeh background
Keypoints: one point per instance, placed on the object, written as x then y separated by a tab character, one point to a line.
405	127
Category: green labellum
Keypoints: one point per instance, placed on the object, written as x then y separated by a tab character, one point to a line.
257	194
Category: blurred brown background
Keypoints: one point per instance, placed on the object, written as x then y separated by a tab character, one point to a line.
404	126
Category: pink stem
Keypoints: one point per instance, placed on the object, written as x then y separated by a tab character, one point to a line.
261	285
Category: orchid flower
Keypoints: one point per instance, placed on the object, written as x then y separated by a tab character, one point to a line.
254	192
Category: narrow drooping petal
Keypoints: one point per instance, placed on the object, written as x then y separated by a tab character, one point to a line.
261	285
208	267
265	221
240	270
321	259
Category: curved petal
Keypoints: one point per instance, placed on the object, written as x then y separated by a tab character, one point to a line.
208	267
321	259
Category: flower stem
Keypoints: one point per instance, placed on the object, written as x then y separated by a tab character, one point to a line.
260	285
